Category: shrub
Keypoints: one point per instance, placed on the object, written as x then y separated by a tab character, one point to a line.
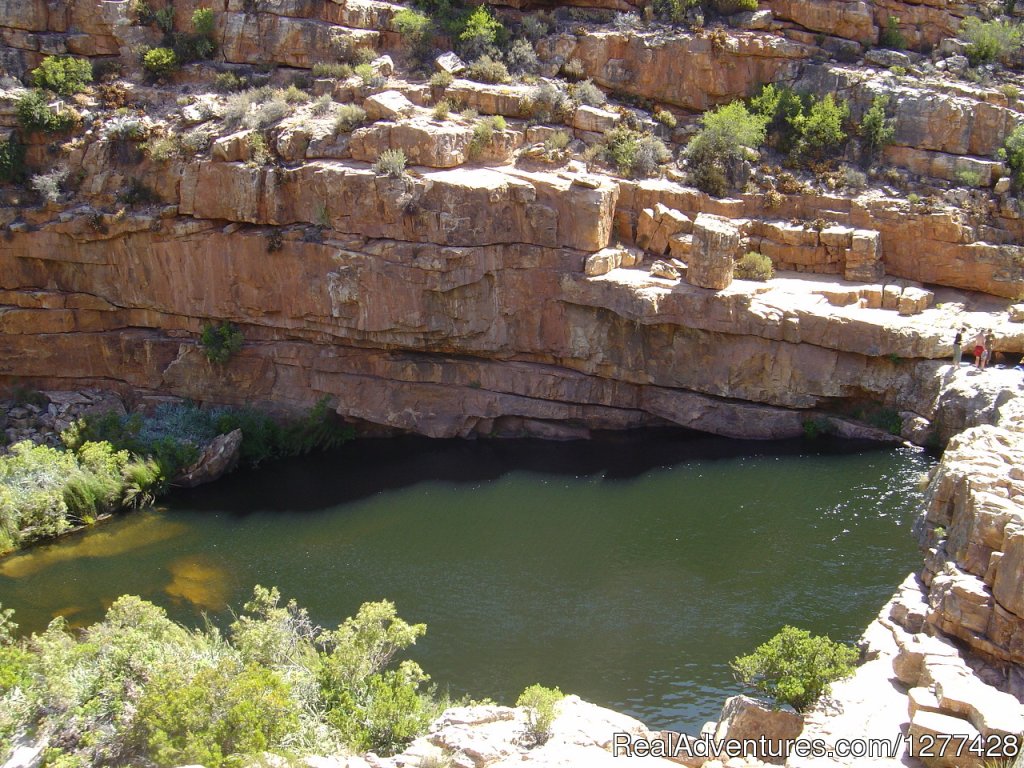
729	7
1014	152
666	118
349	118
160	62
483	133
820	130
557	141
259	152
442	109
336	70
12	161
268	112
229	82
322	106
220	342
587	93
64	75
715	156
164	19
671	11
35	114
549	102
965	177
754	266
632	152
522	59
48	185
898	71
488	70
540	704
203	22
390	162
573	69
126	127
365	72
417	30
481	33
891	37
876	129
777	106
989	41
441	79
795	668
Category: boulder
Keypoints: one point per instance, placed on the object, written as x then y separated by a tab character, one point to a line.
218	458
450	62
603	262
593	119
715	243
388	105
930	729
664	270
745	718
1016	313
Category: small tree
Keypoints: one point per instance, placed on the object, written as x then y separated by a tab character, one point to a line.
481	33
64	75
795	667
876	129
715	155
390	162
220	342
540	704
820	130
989	41
160	62
1013	154
891	37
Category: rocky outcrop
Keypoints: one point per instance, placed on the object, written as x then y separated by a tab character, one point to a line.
690	71
974	527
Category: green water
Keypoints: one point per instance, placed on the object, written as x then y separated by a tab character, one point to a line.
629	571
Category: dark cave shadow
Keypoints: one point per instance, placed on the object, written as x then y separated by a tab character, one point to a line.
366	467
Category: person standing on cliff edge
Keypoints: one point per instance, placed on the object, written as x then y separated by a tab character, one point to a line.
979	350
958	348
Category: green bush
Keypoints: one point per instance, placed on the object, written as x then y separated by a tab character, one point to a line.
417	30
522	59
876	129
777	106
64	75
203	22
220	342
138	689
1013	151
541	709
672	11
795	668
633	153
160	62
715	156
12	161
729	7
35	114
441	79
754	266
820	131
557	141
666	118
891	37
587	93
483	133
481	34
487	69
390	162
549	102
989	41
336	70
45	491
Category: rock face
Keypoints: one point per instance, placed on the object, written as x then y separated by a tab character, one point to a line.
745	718
974	527
715	243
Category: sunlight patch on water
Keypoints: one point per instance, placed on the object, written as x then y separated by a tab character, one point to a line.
199	581
131	533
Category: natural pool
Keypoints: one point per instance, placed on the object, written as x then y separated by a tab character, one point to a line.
629	570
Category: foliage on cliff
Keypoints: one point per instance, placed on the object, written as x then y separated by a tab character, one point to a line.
45	491
138	689
795	667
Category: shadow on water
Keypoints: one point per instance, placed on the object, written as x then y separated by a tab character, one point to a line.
371	466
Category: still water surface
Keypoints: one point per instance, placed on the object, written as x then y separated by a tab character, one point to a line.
628	570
